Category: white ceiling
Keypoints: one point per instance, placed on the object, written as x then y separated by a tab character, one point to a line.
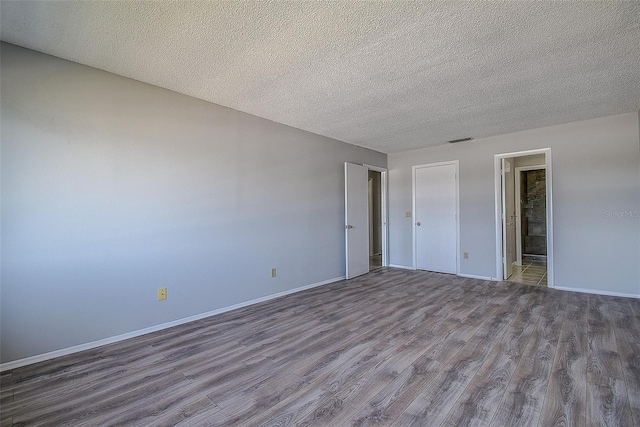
391	76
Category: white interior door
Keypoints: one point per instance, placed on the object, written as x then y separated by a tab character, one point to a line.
435	216
356	199
508	217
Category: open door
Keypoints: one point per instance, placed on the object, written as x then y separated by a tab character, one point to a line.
508	217
356	219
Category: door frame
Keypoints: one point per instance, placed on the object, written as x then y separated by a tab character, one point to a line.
384	202
497	168
518	170
455	163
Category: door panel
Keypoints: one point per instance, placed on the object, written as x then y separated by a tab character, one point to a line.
435	218
508	216
356	220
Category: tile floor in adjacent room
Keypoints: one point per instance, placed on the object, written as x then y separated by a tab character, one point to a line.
531	272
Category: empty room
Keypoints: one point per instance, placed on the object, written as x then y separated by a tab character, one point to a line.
243	213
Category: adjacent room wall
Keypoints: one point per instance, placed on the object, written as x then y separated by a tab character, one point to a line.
112	188
534	160
596	199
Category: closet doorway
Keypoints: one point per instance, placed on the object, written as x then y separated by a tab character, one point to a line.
375	219
436	241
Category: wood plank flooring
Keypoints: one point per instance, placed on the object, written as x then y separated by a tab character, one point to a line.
391	348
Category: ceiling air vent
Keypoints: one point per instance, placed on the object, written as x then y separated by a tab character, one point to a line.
460	140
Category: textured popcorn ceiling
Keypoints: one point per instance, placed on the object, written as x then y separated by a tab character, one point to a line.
390	76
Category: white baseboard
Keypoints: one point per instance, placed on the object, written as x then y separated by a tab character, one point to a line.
473	276
87	346
597	292
401	266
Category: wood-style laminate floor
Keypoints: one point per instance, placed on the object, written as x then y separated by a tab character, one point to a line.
391	348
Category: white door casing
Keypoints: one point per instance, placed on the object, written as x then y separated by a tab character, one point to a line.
435	207
356	191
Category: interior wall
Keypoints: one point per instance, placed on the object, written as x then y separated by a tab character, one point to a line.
112	188
596	200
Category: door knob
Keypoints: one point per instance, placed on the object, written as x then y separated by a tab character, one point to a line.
418	223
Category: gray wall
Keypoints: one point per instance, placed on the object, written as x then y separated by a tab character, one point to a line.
112	188
534	160
596	197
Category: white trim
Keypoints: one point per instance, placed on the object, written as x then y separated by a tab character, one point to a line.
473	276
87	346
524	153
414	258
549	183
518	170
503	213
597	292
385	211
497	183
346	219
497	176
455	163
401	266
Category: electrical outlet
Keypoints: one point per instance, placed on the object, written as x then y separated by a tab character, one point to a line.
466	255
273	272
407	214
162	294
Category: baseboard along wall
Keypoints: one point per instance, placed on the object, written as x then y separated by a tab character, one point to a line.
99	343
